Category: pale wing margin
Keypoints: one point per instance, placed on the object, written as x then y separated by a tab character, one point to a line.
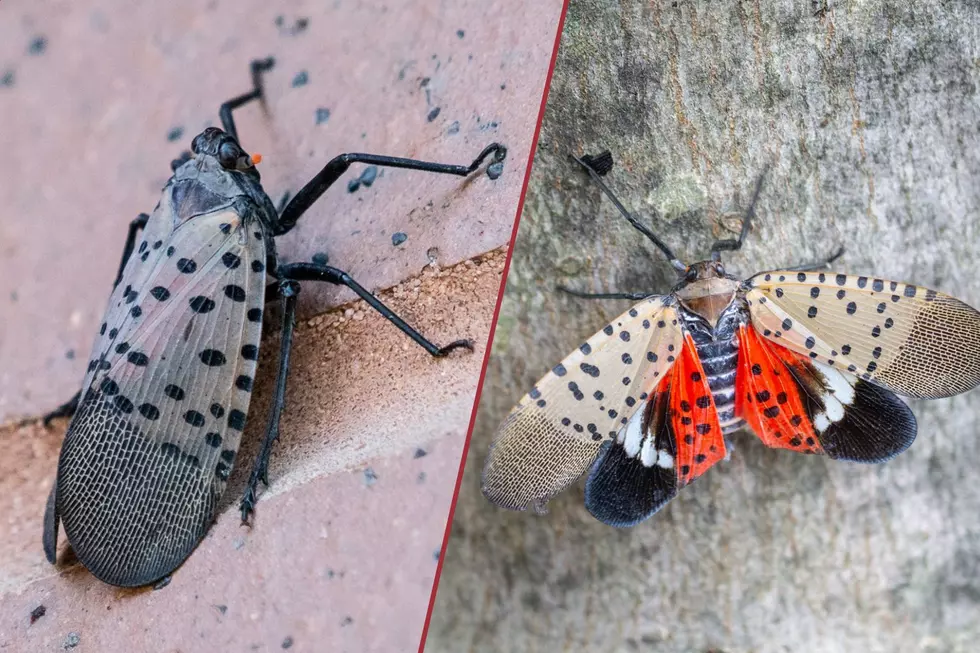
554	433
911	340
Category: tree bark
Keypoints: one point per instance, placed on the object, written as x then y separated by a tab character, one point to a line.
867	116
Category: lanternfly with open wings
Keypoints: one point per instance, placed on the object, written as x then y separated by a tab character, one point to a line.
810	361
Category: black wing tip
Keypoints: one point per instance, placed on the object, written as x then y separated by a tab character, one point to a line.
876	428
621	492
600	163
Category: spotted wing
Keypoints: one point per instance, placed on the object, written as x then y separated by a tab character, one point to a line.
555	432
910	340
673	438
794	402
164	402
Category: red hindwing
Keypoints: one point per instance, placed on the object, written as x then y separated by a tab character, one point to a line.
693	417
768	398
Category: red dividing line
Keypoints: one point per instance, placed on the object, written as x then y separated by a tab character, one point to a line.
493	328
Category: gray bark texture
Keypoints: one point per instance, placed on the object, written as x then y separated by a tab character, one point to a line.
867	114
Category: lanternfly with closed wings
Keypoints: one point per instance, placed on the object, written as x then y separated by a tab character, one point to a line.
809	360
156	426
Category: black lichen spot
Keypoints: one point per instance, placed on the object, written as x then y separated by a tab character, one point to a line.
236	420
231	260
149	411
433	114
254	315
7	79
235	293
244	382
194	418
212	357
175	134
138	359
250	352
160	293
38	45
301	78
201	304
322	115
186	266
398	238
175	392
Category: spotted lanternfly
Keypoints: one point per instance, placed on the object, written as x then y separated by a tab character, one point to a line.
156	426
810	361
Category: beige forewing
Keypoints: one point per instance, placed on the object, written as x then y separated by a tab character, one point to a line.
554	433
911	340
151	447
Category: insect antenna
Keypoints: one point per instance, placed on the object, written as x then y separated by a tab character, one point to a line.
731	245
598	166
257	93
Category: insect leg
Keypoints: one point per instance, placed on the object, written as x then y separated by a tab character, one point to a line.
604	295
337	166
259	66
734	245
317	272
599	165
818	265
288	291
66	409
137	225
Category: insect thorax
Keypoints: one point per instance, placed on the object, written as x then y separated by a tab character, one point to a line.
717	343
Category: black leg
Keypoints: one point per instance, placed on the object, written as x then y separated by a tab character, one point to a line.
257	93
599	165
604	295
137	225
289	291
818	265
734	245
317	272
66	409
337	166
